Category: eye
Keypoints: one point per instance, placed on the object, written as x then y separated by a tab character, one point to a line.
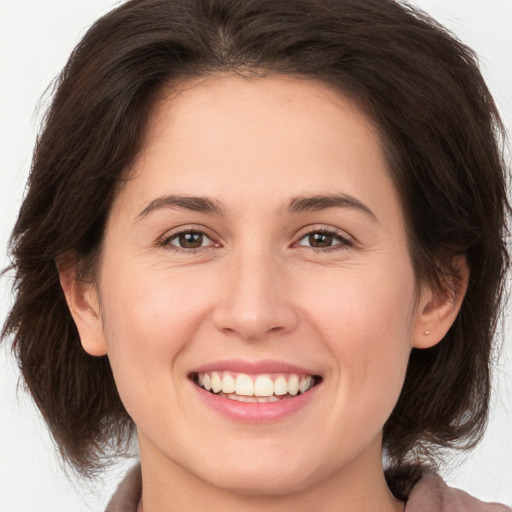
324	239
188	240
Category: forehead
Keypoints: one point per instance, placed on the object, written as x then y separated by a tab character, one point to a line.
259	140
229	108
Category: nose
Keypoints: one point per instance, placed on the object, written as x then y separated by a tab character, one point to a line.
254	299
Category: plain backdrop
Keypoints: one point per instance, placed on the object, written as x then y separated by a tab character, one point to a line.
36	38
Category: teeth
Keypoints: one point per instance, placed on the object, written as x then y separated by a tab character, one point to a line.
265	399
293	385
244	385
228	384
207	382
216	382
305	384
260	388
280	386
240	398
252	399
263	386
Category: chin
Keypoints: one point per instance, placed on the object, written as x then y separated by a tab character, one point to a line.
260	472
264	481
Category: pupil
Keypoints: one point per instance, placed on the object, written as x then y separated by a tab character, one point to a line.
320	240
191	240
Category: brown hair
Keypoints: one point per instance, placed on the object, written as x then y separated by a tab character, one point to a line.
442	135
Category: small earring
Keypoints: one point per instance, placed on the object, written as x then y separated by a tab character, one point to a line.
426	333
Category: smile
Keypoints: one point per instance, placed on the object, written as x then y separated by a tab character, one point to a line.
261	388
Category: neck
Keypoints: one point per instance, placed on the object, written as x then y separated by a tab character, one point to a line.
357	487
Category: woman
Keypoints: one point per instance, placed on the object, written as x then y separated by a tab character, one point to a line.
259	234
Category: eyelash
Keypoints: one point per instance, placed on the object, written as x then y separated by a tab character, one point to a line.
166	241
345	242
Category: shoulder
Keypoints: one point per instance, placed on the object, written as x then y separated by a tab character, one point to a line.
431	494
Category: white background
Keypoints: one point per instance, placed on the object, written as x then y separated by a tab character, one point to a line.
36	38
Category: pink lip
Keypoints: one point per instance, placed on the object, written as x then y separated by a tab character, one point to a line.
249	412
252	367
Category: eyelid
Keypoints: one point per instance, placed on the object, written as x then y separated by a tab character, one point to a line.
346	239
164	240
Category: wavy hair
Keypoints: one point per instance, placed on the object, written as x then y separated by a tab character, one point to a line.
442	136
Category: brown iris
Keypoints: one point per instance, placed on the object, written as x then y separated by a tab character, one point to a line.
320	240
190	240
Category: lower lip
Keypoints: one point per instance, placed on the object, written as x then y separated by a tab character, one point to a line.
256	412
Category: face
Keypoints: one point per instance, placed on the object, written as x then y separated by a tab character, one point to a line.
259	248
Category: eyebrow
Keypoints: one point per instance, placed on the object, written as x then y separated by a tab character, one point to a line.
195	204
298	204
321	202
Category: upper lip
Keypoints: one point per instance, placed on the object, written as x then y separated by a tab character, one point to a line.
253	367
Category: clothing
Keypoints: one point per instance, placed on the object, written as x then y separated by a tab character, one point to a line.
430	494
128	494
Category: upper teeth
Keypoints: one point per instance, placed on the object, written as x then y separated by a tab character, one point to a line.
255	385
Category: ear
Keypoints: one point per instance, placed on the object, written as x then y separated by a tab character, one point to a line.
83	303
437	310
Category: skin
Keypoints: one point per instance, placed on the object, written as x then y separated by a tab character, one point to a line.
349	311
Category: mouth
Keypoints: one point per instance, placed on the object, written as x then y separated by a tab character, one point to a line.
255	388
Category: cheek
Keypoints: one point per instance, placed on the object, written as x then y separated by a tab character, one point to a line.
149	319
365	320
150	305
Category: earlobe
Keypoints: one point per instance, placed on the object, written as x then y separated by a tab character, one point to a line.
83	303
437	310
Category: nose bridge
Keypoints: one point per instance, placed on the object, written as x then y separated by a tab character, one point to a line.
254	300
